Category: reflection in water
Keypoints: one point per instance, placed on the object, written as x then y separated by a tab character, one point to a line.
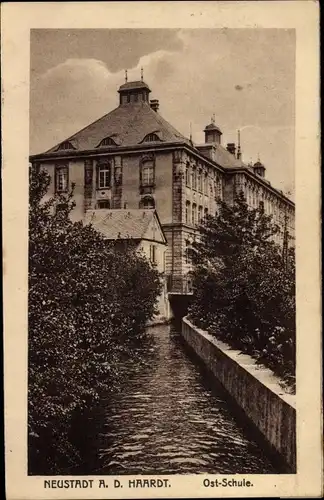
167	420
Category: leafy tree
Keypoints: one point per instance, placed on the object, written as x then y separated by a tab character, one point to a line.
244	287
88	306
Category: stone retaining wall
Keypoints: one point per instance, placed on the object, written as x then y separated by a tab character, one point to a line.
255	389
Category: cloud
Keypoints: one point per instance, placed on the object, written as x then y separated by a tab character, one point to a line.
77	67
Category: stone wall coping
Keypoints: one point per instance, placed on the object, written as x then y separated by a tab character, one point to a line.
260	372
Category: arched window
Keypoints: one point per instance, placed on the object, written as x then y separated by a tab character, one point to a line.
107	141
103	204
147	173
151	138
61	207
147	202
104	175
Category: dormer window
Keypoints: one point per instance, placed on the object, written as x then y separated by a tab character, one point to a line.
65	145
107	141
151	138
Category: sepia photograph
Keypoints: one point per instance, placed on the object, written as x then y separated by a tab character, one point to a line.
163	324
161	299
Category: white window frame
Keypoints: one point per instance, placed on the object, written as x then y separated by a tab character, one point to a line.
104	176
61	178
147	174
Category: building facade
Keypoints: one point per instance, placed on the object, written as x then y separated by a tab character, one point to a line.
132	158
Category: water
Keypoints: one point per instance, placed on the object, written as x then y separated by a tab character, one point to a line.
167	419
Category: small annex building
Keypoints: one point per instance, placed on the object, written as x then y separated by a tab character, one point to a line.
138	227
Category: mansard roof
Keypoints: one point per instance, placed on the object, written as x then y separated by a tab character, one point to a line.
129	124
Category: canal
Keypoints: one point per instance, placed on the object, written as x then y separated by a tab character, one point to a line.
167	419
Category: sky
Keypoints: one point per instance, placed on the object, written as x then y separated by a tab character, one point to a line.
245	77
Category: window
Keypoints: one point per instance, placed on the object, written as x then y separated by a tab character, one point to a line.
194	214
151	138
218	187
107	141
187	175
147	173
61	207
200	214
104	176
187	252
206	184
61	179
200	181
194	179
187	212
261	205
65	145
153	254
103	204
147	202
205	212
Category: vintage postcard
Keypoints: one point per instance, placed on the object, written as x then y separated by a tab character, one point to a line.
161	242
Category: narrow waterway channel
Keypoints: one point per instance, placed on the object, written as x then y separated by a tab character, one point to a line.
167	419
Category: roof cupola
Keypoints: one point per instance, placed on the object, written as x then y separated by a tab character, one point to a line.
133	92
212	132
259	168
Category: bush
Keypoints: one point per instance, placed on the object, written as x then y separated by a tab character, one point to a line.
89	303
244	286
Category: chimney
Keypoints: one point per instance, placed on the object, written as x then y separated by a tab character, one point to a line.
154	103
231	148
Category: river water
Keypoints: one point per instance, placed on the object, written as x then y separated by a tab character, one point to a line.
167	419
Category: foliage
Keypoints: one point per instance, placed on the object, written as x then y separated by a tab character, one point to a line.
88	306
244	285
